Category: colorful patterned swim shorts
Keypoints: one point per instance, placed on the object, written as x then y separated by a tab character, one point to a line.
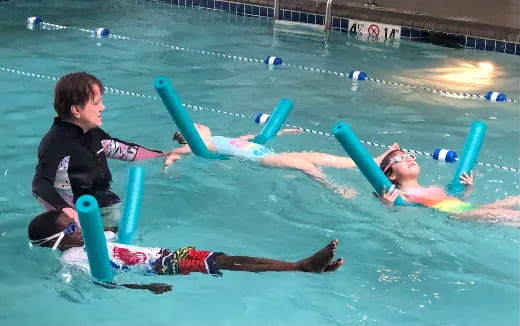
187	260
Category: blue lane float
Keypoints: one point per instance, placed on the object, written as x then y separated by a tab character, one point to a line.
357	75
470	152
273	61
101	32
275	121
181	118
445	155
34	20
262	118
495	96
364	161
132	205
94	237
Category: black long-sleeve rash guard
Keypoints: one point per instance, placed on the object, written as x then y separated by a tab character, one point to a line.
72	163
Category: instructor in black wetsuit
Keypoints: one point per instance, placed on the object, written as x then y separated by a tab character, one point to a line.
72	156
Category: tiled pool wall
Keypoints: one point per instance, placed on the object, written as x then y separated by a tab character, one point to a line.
264	9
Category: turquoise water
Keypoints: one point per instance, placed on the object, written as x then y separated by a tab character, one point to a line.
407	266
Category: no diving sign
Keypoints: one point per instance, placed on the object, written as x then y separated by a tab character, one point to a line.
377	32
373	30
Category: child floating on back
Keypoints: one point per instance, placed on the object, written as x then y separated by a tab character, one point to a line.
56	230
403	171
242	147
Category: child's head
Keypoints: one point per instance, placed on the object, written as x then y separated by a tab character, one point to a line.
203	131
399	165
54	229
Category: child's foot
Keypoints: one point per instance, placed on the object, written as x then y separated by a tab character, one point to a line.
394	147
321	261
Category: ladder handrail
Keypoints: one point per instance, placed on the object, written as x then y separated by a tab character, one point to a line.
328	15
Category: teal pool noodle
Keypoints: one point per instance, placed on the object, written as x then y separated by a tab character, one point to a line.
470	152
131	205
275	122
351	144
94	237
181	118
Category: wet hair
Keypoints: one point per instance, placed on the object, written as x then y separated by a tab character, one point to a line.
179	138
387	160
43	226
74	89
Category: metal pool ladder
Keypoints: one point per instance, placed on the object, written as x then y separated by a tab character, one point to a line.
307	28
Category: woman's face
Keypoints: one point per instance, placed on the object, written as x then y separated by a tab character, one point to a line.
89	116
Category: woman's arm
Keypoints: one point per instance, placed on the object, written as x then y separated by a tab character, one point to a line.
121	150
43	181
175	155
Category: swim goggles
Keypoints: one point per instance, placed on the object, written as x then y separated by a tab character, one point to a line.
70	229
400	158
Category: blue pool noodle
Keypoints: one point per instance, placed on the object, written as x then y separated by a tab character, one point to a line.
181	118
132	205
275	122
351	144
94	237
469	155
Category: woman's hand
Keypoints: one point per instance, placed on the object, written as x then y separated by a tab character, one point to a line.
71	212
467	179
170	158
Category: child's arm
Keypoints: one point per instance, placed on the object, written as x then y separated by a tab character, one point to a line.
389	197
281	132
156	288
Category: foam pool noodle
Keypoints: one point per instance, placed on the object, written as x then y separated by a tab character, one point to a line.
181	118
364	161
94	237
132	205
470	152
275	122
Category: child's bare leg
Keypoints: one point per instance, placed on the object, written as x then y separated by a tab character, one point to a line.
321	261
334	161
321	159
289	160
508	202
493	215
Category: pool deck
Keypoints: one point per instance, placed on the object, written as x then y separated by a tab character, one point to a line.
498	19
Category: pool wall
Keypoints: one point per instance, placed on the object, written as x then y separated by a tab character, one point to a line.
413	26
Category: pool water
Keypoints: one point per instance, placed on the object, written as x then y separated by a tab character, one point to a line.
404	266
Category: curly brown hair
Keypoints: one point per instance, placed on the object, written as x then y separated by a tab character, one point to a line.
74	89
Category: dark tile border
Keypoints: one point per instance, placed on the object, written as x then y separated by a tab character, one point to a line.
342	24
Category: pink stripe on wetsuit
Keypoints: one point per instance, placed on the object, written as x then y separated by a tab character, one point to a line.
119	150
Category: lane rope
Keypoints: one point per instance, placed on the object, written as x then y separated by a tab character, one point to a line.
457	95
116	91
